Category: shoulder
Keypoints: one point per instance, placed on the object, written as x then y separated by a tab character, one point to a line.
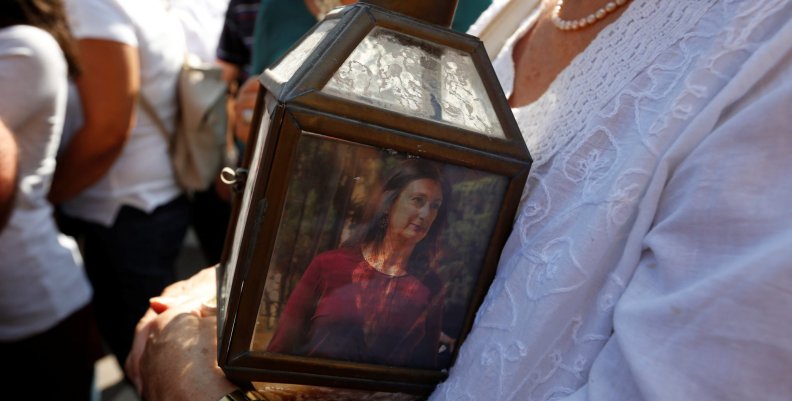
340	256
27	51
33	69
335	265
102	19
27	40
291	15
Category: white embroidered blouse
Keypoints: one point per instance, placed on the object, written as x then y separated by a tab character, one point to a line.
650	258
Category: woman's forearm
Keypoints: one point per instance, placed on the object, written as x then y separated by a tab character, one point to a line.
108	90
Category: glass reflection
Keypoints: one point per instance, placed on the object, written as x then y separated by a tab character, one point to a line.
399	72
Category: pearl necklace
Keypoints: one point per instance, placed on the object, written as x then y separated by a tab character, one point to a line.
571	25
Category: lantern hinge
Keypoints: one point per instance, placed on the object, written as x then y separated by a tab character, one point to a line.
236	178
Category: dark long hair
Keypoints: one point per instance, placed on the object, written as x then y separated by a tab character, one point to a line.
371	229
48	15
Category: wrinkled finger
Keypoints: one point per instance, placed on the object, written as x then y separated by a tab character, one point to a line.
179	362
162	312
132	363
161	304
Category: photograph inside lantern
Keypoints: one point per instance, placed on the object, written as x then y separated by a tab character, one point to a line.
376	255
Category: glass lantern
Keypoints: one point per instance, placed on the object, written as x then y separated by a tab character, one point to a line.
380	183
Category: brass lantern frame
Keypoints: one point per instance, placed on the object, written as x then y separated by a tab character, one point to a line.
302	108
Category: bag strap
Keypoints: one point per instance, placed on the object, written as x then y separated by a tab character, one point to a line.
147	106
149	109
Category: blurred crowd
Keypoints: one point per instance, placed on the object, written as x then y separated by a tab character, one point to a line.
648	259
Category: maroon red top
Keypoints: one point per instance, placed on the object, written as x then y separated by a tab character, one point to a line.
342	308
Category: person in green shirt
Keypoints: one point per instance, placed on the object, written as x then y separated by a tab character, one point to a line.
280	24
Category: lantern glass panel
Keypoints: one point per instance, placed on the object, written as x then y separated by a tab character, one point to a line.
226	280
409	320
285	68
395	71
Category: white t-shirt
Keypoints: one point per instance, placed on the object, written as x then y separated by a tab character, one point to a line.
650	257
202	21
41	275
142	176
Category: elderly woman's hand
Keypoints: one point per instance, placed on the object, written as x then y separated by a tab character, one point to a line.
179	361
181	298
243	108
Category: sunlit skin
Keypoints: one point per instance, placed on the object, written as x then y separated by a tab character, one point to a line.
409	220
555	48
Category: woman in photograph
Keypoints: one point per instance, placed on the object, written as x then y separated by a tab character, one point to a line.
376	299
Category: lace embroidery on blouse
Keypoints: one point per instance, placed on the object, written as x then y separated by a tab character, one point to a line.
573	98
596	135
